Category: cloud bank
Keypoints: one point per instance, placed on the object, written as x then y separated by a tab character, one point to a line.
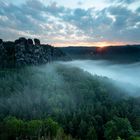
62	25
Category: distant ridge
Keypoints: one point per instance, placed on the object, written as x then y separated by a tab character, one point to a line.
124	53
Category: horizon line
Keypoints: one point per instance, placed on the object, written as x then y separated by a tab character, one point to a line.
81	44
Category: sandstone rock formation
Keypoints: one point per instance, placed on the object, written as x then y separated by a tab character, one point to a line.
24	52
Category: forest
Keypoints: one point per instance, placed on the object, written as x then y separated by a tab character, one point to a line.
69	69
58	102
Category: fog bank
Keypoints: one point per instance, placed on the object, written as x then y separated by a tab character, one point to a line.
127	76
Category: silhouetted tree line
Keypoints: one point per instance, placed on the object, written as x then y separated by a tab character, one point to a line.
128	53
26	52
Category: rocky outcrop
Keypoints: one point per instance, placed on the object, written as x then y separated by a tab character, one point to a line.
26	52
36	41
2	53
30	42
1	41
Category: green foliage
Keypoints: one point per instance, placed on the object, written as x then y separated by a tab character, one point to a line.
83	106
135	138
34	127
118	127
50	127
91	135
118	138
12	128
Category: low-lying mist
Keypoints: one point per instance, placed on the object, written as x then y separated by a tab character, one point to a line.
71	96
125	76
39	91
26	92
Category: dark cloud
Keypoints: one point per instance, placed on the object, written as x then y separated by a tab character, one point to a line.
80	18
114	23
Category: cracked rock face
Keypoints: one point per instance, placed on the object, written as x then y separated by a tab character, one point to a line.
24	52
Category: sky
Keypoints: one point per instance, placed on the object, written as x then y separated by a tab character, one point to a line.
72	22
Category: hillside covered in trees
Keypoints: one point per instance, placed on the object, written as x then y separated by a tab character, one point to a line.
58	102
69	69
121	54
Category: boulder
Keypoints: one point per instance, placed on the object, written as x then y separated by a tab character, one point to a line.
30	42
23	41
37	41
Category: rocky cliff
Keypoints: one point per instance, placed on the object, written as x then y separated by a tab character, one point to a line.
26	52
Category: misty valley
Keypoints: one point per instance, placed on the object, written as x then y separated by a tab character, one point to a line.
49	93
69	69
68	99
125	76
73	93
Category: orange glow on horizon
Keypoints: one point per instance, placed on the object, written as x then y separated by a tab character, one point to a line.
90	44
